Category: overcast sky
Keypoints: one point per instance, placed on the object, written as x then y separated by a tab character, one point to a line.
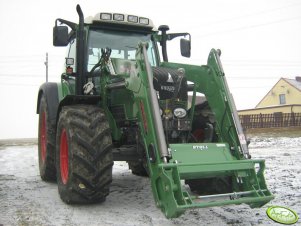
260	42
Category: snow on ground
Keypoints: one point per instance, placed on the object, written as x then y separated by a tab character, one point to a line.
26	200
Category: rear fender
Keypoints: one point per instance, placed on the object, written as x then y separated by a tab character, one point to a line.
50	90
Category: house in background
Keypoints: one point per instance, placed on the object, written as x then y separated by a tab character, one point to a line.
280	107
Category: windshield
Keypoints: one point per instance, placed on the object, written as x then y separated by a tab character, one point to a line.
123	45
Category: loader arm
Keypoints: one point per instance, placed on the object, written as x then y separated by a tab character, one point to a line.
168	168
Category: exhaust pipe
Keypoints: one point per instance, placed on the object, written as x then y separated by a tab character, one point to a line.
80	79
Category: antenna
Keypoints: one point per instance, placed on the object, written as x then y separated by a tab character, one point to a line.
46	64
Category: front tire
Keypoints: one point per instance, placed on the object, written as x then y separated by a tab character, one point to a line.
84	158
138	168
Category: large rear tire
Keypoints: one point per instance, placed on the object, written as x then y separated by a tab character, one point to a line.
84	158
46	143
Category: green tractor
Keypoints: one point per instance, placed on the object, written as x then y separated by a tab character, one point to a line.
118	101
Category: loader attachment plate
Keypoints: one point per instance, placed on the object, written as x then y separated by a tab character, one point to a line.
208	161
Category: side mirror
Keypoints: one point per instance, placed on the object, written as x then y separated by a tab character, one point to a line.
60	36
185	46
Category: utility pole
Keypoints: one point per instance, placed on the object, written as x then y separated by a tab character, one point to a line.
46	64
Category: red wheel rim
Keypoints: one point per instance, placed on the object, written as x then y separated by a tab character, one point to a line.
43	137
64	156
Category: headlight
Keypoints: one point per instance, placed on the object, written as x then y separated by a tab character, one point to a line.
118	17
132	19
179	112
106	16
143	20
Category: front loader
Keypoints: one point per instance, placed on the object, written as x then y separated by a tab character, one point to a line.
118	101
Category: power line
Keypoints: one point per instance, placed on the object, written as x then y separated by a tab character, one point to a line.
248	27
253	14
262	65
30	55
19	84
251	87
22	75
20	56
251	78
271	62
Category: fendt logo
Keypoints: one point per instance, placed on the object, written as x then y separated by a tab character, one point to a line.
282	215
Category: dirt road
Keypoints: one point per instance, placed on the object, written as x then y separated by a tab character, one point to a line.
26	200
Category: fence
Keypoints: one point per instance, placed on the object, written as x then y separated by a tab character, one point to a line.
278	119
